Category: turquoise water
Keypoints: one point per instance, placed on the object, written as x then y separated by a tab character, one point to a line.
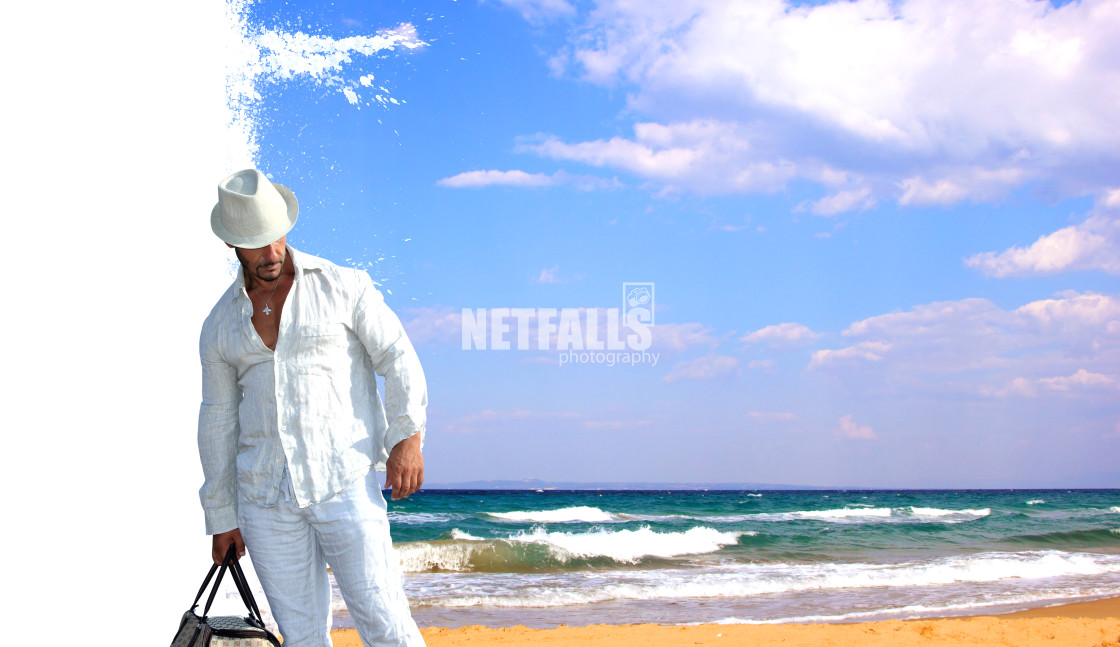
544	558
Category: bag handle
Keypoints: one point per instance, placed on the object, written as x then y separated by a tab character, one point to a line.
230	558
202	589
229	562
246	593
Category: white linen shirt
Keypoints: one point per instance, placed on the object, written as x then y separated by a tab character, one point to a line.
311	405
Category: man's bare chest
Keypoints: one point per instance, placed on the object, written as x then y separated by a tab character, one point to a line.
267	312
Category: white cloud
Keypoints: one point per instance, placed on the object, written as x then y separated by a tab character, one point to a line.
842	201
919	72
653	159
973	346
783	335
703	368
1091	245
924	319
963	332
1073	314
496	178
961	184
705	155
1082	379
475	179
1080	382
871	351
920	101
849	428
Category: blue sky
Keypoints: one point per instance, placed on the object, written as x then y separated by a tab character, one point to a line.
884	237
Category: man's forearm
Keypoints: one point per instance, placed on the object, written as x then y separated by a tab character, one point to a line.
218	431
217	449
406	391
394	358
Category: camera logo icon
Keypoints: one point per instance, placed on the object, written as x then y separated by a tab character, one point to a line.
637	303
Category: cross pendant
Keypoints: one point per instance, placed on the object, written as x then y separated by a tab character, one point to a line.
267	310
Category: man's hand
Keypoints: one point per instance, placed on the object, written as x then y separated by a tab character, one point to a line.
222	542
404	471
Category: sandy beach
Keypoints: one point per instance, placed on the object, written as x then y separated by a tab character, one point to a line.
1085	624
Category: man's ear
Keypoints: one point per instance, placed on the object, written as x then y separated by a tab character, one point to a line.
229	246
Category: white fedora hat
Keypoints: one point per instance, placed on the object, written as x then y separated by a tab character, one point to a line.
251	211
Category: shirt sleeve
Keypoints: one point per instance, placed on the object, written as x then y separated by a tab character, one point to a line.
218	432
393	358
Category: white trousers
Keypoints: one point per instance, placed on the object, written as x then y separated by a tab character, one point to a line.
291	548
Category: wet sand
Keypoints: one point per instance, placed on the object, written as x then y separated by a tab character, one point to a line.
1083	624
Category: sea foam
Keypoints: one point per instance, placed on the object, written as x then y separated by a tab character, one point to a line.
629	546
418	518
748	580
948	515
540	550
575	514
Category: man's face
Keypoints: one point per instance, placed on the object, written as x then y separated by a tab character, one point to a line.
265	263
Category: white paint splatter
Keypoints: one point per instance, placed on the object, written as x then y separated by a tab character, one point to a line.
274	57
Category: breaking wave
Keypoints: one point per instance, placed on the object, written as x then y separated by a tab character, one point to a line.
540	550
746	580
575	514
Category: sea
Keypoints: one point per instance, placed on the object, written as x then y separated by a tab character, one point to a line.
576	557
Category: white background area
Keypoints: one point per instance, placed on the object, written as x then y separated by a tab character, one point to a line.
115	136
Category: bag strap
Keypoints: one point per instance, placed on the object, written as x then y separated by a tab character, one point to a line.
229	562
202	589
230	558
246	593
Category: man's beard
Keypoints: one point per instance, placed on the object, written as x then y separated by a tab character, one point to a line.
256	273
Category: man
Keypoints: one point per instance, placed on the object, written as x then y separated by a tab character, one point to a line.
292	429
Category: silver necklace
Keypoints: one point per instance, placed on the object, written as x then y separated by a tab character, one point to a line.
267	310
